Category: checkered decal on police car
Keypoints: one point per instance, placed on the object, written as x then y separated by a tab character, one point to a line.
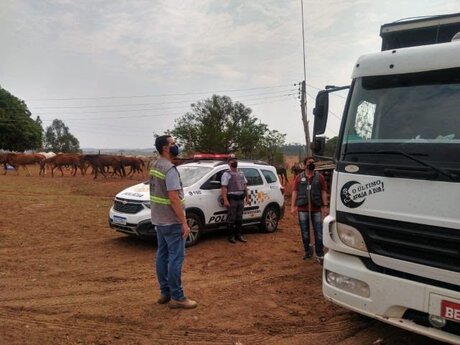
252	197
256	197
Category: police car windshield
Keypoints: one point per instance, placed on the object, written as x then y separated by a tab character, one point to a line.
191	174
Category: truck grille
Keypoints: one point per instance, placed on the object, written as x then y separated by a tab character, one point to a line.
423	244
125	206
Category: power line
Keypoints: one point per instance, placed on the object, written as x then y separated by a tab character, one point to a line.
134	110
137	110
157	95
114	129
329	109
248	97
319	89
155	103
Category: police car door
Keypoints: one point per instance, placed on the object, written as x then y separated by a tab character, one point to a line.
214	211
256	187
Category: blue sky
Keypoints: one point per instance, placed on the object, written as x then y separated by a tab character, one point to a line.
118	71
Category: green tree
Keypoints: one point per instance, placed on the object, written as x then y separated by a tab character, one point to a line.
331	144
18	131
59	139
218	125
270	147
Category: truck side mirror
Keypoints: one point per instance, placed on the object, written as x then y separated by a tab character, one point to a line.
318	145
320	112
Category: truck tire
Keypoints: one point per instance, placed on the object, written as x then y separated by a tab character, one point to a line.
270	219
196	226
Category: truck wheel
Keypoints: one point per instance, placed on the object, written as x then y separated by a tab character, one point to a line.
196	225
270	219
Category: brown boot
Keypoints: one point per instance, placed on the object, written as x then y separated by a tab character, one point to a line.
182	304
241	238
163	299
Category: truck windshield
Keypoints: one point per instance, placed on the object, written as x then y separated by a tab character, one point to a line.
191	174
417	114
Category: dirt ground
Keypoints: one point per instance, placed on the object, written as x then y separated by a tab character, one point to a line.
67	278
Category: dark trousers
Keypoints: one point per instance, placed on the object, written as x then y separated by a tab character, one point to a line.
235	217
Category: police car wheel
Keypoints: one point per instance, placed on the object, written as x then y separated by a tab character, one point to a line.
270	219
195	224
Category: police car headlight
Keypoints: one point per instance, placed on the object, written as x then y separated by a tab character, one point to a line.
146	204
351	237
354	286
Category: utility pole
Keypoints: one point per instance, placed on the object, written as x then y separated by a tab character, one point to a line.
303	106
303	96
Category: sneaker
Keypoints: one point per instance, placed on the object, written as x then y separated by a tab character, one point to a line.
182	304
163	299
231	239
320	259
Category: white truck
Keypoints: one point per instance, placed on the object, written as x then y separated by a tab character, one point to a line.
393	233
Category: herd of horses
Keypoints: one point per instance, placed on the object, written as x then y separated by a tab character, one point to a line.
100	164
282	173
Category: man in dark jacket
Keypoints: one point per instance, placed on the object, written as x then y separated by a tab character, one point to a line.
310	201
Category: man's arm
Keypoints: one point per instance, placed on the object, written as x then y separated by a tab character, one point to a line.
223	192
246	193
224	189
293	201
294	195
176	205
173	186
324	197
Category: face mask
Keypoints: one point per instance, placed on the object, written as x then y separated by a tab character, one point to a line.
174	150
311	166
234	164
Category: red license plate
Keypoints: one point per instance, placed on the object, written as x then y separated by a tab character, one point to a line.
450	310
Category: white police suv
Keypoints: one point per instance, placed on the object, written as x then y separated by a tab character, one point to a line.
201	178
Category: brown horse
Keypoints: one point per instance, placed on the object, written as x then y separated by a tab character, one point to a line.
17	160
136	165
100	163
296	169
3	160
72	160
281	171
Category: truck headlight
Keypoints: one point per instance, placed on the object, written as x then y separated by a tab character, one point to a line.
351	237
354	286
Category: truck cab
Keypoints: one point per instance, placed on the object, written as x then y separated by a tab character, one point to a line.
393	233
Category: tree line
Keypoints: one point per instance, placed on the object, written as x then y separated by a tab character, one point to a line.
19	132
300	150
213	125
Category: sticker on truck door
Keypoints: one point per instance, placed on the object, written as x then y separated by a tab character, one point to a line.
353	193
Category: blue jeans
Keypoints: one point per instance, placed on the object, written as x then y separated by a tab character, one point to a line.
317	231
170	256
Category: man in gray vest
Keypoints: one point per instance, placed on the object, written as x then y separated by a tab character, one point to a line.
168	216
310	200
234	193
